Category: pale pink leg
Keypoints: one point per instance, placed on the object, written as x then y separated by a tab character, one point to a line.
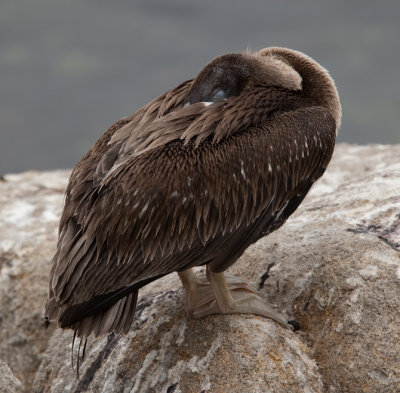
219	293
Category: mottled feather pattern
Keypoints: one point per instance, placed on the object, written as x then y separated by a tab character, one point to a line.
175	186
220	120
83	187
199	212
136	133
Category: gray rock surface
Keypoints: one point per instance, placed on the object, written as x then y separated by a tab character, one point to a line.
334	267
8	382
30	207
340	274
166	352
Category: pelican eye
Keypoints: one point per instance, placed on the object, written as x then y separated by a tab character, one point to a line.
219	94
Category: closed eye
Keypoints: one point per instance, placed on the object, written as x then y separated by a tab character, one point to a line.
219	94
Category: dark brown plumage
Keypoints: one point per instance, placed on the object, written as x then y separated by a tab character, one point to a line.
193	178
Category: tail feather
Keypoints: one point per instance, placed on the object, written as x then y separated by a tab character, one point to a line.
118	315
102	323
107	313
128	314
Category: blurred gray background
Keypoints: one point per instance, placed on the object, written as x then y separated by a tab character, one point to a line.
70	68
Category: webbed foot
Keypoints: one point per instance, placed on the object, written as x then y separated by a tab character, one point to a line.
223	293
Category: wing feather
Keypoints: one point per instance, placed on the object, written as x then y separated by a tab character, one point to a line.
154	215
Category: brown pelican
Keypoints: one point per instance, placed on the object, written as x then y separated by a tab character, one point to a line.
192	179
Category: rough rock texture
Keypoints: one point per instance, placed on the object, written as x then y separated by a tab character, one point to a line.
30	207
8	382
166	352
342	280
334	267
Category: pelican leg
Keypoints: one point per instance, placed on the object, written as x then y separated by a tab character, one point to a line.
223	293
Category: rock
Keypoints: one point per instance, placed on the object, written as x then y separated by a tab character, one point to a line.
30	207
8	382
334	267
340	274
166	352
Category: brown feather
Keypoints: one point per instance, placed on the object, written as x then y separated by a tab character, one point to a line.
181	183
